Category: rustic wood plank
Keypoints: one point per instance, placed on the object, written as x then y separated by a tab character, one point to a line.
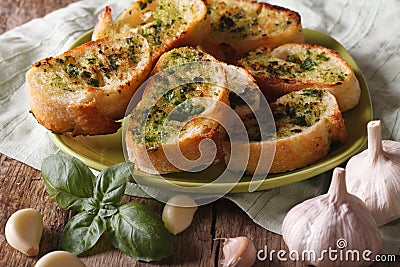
231	222
22	187
17	12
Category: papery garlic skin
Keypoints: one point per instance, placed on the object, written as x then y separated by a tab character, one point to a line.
23	231
59	259
239	252
374	176
178	213
333	221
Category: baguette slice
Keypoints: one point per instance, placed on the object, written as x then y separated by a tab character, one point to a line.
148	142
307	122
165	24
292	67
85	90
239	26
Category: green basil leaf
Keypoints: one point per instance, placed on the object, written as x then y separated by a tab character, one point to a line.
139	232
111	183
82	232
68	181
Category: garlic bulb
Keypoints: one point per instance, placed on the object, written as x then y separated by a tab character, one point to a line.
374	176
238	252
336	223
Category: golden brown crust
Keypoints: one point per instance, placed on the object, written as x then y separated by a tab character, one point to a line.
194	34
85	90
171	35
274	85
158	163
298	150
104	22
293	153
337	129
197	129
109	103
223	41
89	118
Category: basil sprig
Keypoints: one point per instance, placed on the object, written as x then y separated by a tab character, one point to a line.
134	228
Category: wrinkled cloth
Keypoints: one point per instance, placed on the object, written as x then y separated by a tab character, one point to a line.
367	29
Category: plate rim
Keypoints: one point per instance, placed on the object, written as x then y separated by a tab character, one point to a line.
282	179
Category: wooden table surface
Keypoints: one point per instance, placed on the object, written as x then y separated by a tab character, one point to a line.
21	187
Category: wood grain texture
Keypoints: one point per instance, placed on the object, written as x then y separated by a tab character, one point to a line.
15	13
21	186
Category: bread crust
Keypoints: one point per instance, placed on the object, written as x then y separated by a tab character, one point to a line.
103	25
225	45
156	162
274	85
93	110
154	159
82	108
298	150
69	95
135	18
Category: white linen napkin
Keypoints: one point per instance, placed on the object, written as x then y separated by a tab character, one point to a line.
367	29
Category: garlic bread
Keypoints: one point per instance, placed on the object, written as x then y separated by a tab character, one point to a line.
164	23
306	121
239	26
85	90
172	117
292	67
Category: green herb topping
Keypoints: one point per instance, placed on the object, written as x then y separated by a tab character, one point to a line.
178	101
310	65
97	68
243	20
304	110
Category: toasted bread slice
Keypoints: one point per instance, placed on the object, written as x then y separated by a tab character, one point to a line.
239	26
292	67
85	90
172	117
307	122
164	23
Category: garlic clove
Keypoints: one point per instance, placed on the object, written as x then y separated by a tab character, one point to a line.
23	231
178	213
333	221
238	252
373	176
59	259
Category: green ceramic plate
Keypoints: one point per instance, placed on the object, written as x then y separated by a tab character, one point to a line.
100	152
